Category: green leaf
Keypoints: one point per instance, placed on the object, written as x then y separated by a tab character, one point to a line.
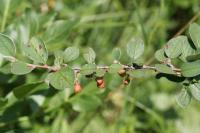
28	89
36	50
89	55
135	48
88	69
114	68
71	54
32	21
195	90
59	58
183	98
164	69
173	47
59	30
116	53
194	31
190	69
187	49
139	73
84	103
193	57
62	79
100	72
7	46
3	102
20	68
160	55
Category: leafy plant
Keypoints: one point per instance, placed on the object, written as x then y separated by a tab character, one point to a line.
52	77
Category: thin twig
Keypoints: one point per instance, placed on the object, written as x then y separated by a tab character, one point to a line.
78	69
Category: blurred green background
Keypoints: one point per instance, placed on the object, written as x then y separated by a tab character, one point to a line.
147	105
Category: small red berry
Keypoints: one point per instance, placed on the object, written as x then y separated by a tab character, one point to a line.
126	81
77	87
100	82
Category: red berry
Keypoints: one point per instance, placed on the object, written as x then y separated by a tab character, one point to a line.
102	85
100	82
126	81
77	87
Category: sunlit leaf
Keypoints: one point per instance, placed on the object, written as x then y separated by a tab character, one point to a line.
20	68
194	31
135	48
70	54
195	90
164	69
173	47
36	50
88	69
190	69
89	55
62	79
116	53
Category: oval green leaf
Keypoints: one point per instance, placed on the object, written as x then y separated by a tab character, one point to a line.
160	55
70	54
116	53
194	31
173	47
36	50
164	69
20	68
187	49
114	68
135	48
62	79
190	69
183	98
195	90
88	69
89	55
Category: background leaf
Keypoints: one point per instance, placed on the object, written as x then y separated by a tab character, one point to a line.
28	89
7	46
59	30
195	90
84	103
183	98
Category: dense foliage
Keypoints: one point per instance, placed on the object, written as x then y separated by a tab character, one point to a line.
99	66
